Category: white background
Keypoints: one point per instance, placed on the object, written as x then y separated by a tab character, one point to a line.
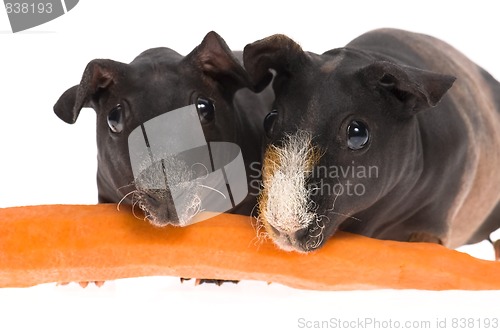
45	161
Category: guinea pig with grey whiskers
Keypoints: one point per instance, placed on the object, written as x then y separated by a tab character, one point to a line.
125	97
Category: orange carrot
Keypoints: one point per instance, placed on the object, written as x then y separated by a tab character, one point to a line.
61	243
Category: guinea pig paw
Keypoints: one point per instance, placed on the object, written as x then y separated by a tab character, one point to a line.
218	282
83	284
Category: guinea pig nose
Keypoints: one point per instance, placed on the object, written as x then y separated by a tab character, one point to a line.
301	233
152	198
160	210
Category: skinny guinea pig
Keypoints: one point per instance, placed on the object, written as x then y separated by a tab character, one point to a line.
395	136
125	96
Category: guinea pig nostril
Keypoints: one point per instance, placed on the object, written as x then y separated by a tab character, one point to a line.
154	198
301	233
150	196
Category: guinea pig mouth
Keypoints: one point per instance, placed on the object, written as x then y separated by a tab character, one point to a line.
172	192
160	210
302	240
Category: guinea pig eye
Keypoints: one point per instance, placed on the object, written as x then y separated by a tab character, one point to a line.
206	109
269	122
357	135
116	119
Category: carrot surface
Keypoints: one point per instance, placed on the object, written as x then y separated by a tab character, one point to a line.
62	243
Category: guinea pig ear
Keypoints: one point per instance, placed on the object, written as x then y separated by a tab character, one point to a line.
418	89
214	58
98	76
277	52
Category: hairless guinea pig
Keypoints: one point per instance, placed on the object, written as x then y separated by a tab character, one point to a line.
395	136
126	96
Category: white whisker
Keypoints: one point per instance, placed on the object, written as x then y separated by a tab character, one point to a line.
217	191
124	197
345	215
127	185
315	240
133	209
206	169
195	207
253	210
336	196
335	201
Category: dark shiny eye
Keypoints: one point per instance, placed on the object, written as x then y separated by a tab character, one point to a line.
357	135
269	122
206	109
116	119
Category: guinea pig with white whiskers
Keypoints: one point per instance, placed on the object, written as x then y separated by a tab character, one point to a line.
395	136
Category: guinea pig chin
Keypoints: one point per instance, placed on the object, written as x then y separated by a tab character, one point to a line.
285	206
